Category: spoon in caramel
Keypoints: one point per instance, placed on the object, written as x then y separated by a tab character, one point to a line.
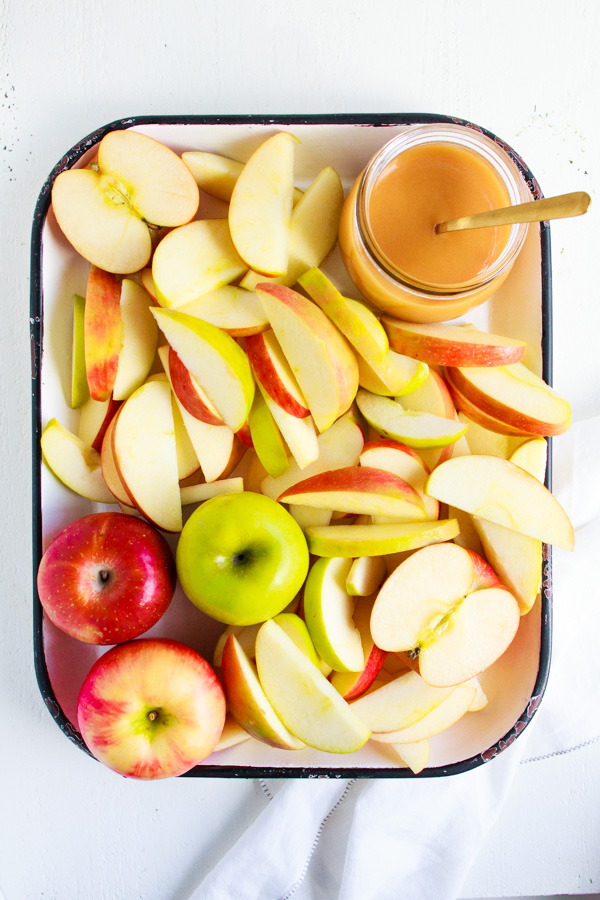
561	207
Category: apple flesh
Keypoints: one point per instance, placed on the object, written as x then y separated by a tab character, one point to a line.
266	438
94	418
236	311
403	461
151	708
400	703
299	434
416	429
415	756
439	719
452	345
353	684
365	575
328	612
216	174
395	375
188	391
106	578
74	463
139	336
377	540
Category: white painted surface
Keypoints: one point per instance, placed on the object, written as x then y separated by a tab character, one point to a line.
68	827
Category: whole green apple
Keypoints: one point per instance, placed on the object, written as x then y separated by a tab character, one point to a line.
241	558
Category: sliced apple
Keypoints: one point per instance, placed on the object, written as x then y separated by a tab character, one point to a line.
232	735
198	493
483	442
299	434
396	375
244	634
515	396
320	358
109	470
216	361
272	370
498	490
216	175
145	454
473	413
94	419
447	713
266	438
403	461
303	698
261	206
452	345
532	456
365	575
189	393
139	335
236	311
353	684
400	703
103	335
361	490
413	428
104	210
414	756
247	701
76	464
194	260
432	396
79	386
295	627
377	540
328	612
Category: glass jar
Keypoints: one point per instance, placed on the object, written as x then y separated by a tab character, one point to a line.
465	167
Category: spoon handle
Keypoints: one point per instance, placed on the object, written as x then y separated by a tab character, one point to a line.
560	207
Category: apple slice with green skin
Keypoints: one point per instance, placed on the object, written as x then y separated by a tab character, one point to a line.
515	396
414	756
338	447
377	540
303	698
452	345
433	603
319	356
139	336
412	428
295	627
396	375
79	386
232	734
356	322
266	438
216	361
216	175
193	261
189	393
199	493
273	372
104	210
76	464
261	206
532	456
145	454
365	575
447	713
498	490
352	684
361	490
400	703
328	610
102	332
247	702
236	311
94	419
403	461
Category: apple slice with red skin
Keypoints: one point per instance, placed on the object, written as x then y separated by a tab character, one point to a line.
94	419
472	413
151	708
484	442
353	684
102	332
244	435
248	703
109	469
106	578
403	461
190	394
452	345
272	370
515	396
361	490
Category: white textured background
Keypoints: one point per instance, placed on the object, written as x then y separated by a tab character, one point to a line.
528	71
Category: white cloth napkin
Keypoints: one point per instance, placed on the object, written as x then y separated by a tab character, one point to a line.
417	838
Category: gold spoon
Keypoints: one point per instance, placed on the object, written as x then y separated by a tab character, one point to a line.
561	207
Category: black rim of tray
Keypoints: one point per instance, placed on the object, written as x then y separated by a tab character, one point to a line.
36	333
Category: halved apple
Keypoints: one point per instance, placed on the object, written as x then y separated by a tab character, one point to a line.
216	361
79	386
328	612
413	428
145	454
194	260
377	540
261	206
266	438
353	684
103	334
320	358
104	210
273	371
303	698
498	490
236	311
452	345
76	464
139	335
447	713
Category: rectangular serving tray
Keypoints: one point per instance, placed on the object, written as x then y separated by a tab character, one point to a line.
521	308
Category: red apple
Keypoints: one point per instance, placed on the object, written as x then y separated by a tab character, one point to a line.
151	709
106	578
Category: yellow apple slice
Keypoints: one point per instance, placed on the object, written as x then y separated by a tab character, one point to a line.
261	206
299	434
232	735
399	704
377	540
403	461
94	419
303	698
236	311
215	360
216	175
193	260
365	575
103	210
295	627
139	334
394	376
452	345
198	493
447	713
498	490
103	335
145	454
532	455
79	386
483	442
266	438
76	464
416	429
328	612
320	358
414	756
